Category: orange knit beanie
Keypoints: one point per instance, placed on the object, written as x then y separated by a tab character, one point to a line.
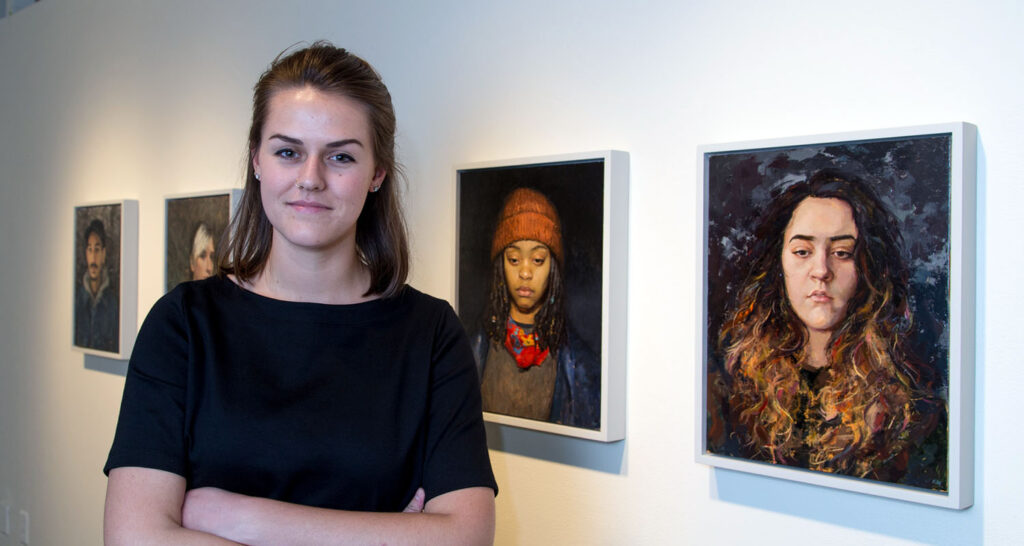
528	215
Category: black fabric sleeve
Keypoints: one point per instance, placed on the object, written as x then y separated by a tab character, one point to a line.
150	428
456	450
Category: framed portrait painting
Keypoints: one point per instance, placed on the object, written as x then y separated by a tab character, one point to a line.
541	289
837	339
194	226
105	278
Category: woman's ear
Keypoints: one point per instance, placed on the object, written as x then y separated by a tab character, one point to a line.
378	179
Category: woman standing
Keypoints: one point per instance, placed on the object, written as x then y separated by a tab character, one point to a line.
305	391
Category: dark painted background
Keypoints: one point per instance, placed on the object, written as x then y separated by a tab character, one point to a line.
910	174
576	189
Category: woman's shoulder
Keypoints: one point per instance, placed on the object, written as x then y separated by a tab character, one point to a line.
191	293
182	300
423	305
409	296
204	288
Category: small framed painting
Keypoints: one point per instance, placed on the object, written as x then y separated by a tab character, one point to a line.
541	288
195	224
105	277
837	338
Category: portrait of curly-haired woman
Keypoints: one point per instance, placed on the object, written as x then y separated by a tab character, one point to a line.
828	350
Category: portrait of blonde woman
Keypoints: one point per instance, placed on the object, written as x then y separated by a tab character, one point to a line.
195	227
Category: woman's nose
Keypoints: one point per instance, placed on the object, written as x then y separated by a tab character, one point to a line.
310	177
525	273
820	268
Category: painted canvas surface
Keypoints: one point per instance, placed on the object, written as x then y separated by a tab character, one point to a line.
97	277
841	367
194	228
530	287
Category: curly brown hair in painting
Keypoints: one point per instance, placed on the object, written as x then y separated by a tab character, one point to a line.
865	410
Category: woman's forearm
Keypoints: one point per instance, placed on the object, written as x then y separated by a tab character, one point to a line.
134	535
143	506
465	516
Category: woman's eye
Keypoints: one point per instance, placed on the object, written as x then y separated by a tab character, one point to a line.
513	261
286	153
843	254
538	261
802	252
342	158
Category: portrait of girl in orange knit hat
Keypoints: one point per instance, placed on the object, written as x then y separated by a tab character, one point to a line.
530	289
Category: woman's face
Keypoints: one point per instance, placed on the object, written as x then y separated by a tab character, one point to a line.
316	165
527	266
202	263
817	261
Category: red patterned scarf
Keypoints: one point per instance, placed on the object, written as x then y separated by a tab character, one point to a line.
523	346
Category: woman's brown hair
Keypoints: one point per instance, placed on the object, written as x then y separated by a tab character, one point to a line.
873	401
381	239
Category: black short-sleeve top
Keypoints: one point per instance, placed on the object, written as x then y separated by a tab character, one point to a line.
338	406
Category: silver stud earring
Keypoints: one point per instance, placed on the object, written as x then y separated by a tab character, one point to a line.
374	189
257	175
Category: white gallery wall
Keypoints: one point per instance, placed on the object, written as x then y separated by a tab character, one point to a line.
113	99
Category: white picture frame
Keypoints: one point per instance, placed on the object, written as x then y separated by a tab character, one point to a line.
590	192
115	276
781	163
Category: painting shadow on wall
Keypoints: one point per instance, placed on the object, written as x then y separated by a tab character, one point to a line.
887	517
112	366
867	513
603	457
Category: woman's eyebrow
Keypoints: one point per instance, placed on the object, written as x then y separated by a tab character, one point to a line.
287	139
335	144
812	238
344	142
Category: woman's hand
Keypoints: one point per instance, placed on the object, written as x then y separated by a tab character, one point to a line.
416	504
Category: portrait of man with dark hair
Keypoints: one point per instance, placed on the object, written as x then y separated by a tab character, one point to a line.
97	271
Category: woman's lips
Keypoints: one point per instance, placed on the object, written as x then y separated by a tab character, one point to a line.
524	292
819	296
308	206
